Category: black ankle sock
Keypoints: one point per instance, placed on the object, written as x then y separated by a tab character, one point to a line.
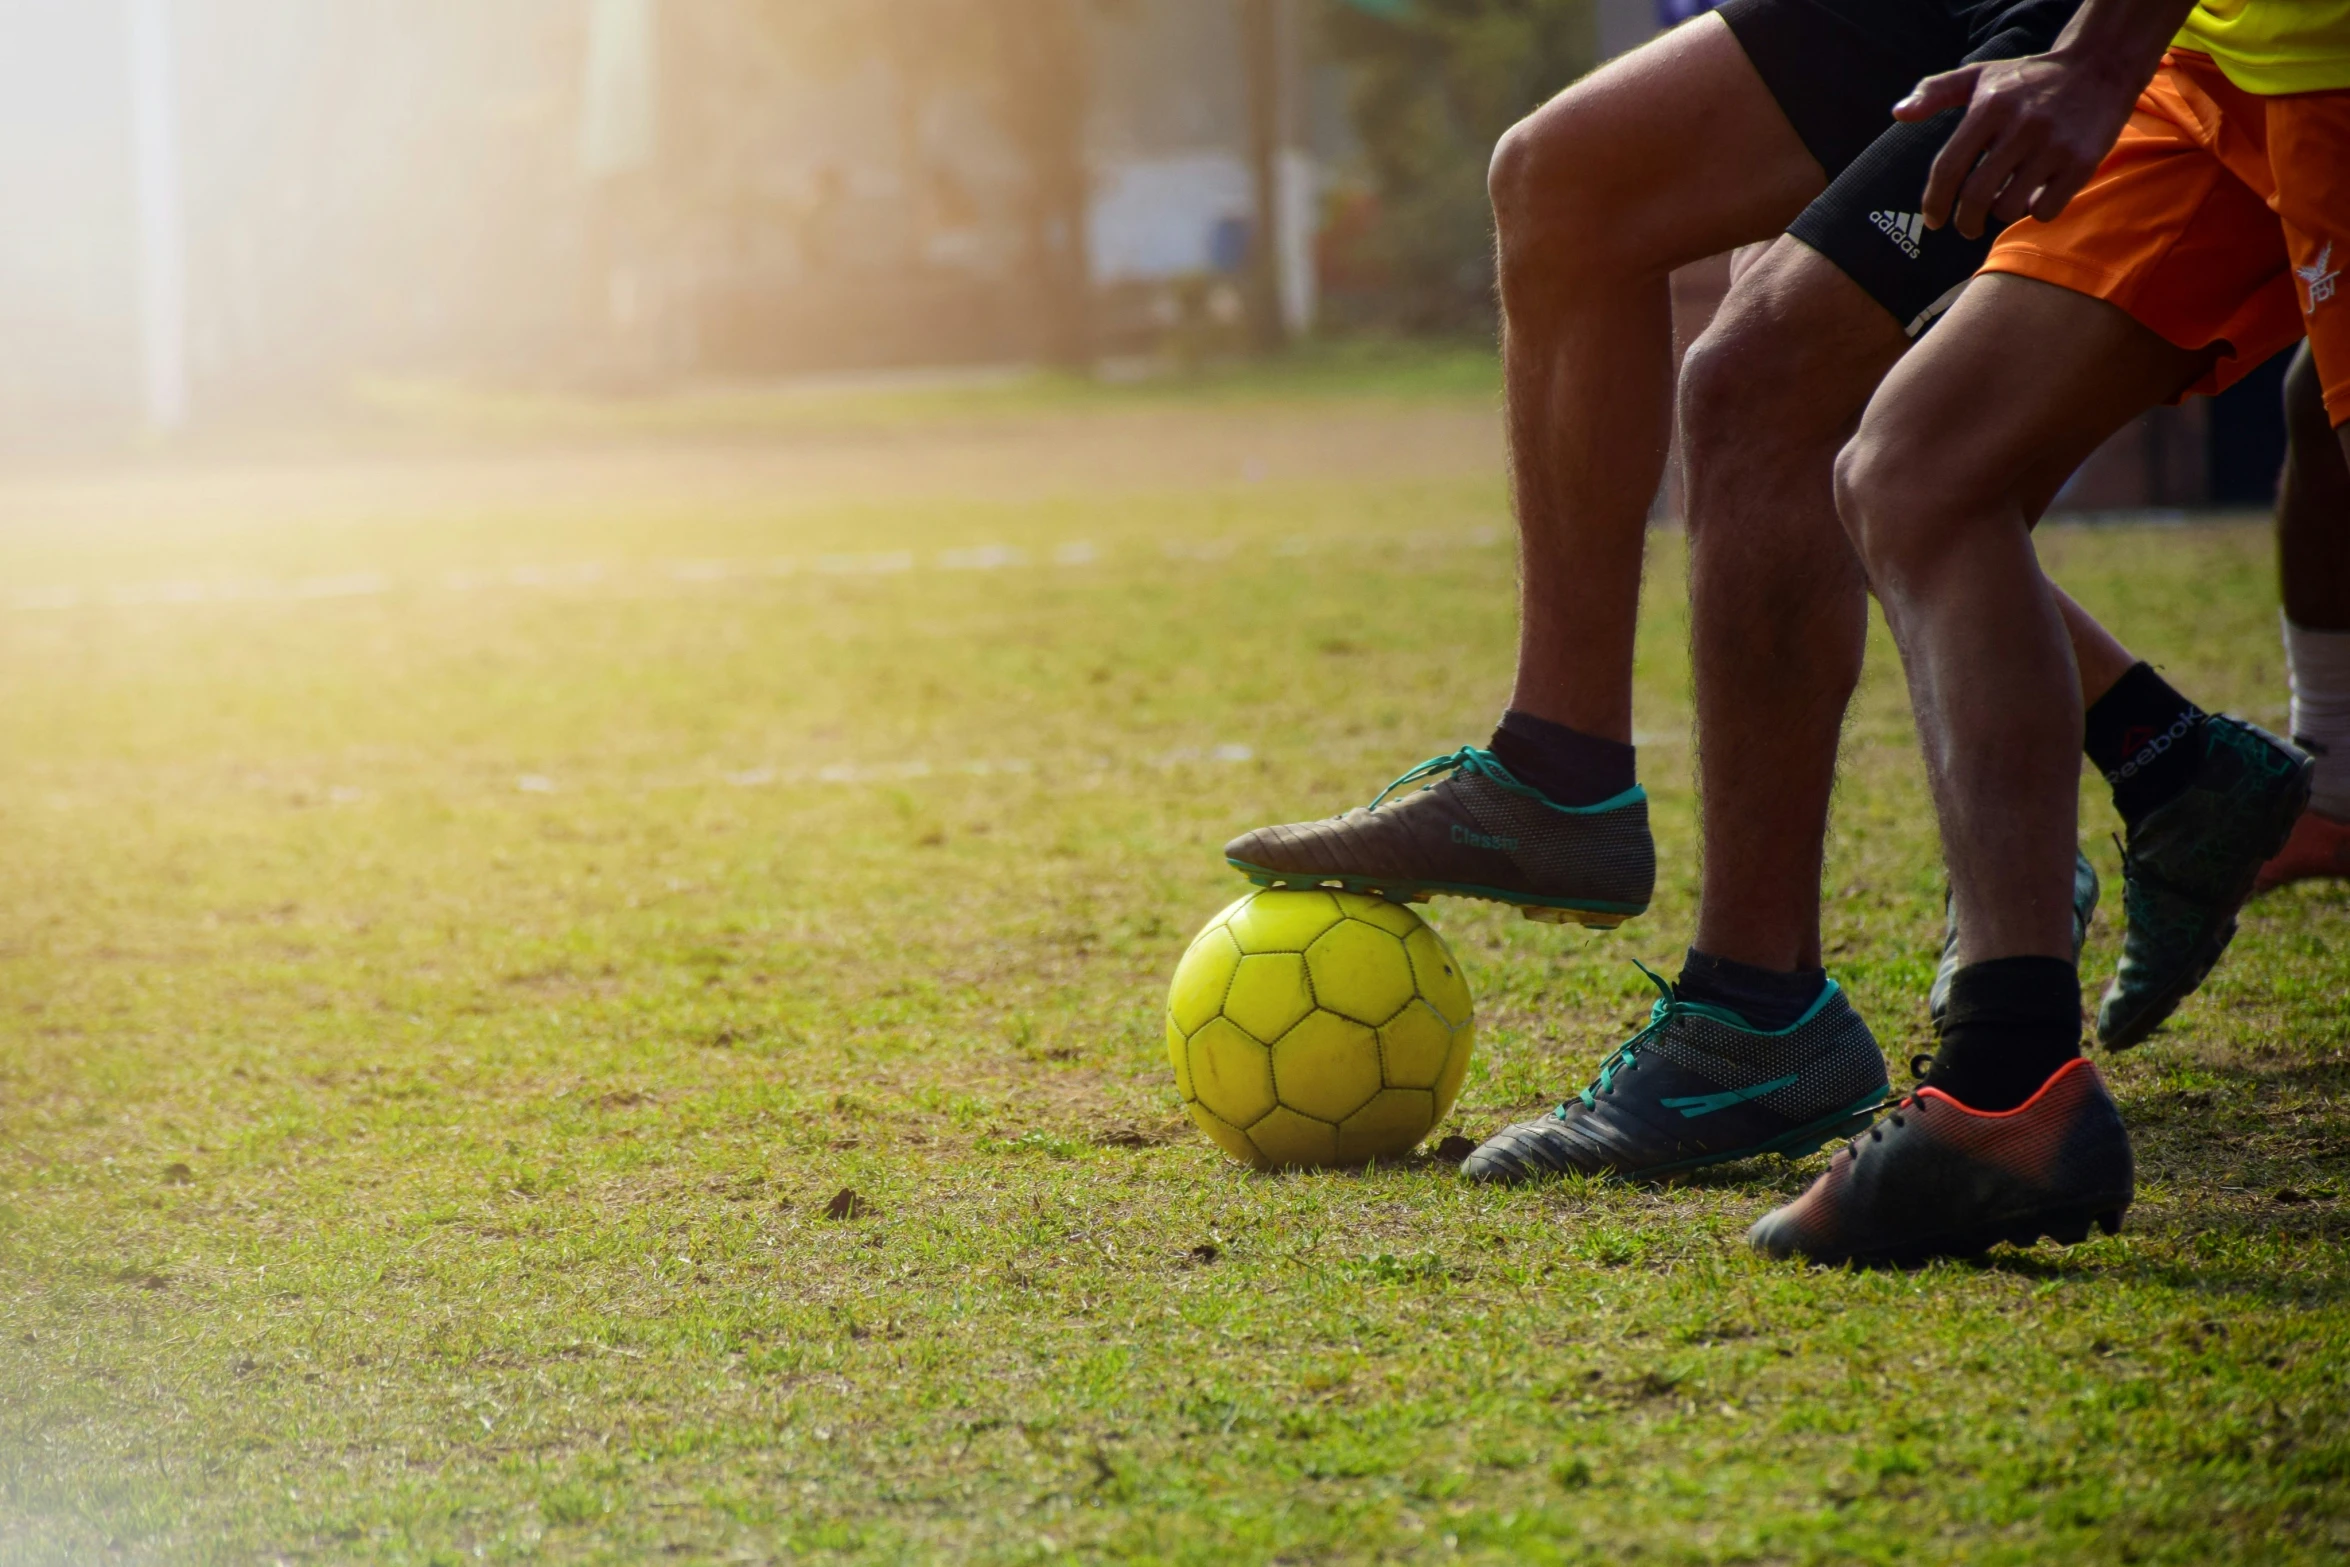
1567	765
2140	736
2011	1025
1769	999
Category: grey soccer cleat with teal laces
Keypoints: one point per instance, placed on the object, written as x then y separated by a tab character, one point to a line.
2188	867
1697	1087
1471	831
2086	891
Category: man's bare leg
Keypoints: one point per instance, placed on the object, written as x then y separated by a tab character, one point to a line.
2313	506
1941	486
1778	604
1676	152
1956	458
2097	652
2313	570
1673	153
1779	610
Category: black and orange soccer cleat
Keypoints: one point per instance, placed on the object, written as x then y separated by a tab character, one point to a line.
1937	1179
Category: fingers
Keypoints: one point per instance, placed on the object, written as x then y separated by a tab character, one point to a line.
2023	188
1957	160
2060	188
1950	90
1989	181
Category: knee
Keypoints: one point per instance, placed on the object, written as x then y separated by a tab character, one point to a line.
1766	396
1548	216
1520	168
1782	372
1732	378
1877	508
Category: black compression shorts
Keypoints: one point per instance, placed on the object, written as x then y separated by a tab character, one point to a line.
1837	67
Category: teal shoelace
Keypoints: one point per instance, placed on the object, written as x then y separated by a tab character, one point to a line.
1468	759
1662	1011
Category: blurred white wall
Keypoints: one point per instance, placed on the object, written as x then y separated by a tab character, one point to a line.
69	340
569	191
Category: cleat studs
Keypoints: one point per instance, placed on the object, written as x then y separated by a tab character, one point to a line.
1584	917
2110	1223
2070	1233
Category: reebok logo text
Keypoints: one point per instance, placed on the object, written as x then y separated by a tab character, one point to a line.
2145	751
1906	229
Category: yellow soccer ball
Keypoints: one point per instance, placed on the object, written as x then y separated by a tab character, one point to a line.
1318	1028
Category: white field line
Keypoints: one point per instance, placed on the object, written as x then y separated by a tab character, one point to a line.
706	572
1228	754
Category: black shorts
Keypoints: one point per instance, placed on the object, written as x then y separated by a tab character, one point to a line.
1837	67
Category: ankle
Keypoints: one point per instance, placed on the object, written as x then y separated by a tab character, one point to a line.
2142	735
1769	999
2011	1025
1568	766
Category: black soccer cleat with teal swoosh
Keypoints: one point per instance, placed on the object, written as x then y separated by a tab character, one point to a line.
1698	1087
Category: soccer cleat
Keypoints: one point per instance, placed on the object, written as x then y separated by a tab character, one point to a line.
1937	1179
1699	1087
2319	846
1476	832
2188	867
2085	894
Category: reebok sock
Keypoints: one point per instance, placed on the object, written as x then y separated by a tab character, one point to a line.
1769	999
2141	735
1567	765
2320	665
2011	1025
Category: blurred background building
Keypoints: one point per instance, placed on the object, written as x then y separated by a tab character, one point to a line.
223	206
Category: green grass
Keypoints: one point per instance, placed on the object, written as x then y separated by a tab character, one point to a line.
434	1021
1345	371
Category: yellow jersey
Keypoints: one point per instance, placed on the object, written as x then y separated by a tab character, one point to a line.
2273	46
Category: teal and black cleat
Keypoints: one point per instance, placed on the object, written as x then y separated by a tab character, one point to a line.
1472	831
2189	866
2086	891
1699	1087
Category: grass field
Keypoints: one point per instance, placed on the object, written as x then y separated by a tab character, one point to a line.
466	915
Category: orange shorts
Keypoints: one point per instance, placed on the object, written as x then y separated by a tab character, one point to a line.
2219	219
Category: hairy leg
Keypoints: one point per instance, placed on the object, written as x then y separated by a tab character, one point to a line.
1670	154
1778	601
1951	465
1778	605
2099	654
2313	507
